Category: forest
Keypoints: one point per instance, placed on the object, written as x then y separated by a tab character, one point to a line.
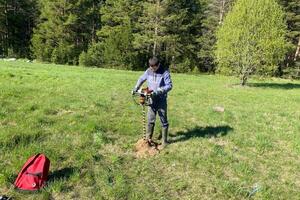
188	36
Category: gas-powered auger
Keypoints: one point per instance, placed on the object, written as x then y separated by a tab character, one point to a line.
144	99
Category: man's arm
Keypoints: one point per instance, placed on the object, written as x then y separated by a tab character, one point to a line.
141	80
168	84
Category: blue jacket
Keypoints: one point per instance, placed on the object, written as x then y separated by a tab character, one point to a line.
159	81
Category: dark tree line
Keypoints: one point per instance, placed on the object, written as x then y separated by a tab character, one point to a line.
292	15
17	20
125	33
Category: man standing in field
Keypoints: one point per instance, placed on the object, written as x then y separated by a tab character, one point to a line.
159	81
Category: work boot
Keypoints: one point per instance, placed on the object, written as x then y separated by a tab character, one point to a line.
150	131
164	137
160	135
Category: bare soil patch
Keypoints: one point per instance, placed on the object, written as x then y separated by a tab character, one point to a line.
144	148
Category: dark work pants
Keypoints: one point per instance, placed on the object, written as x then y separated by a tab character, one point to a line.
159	107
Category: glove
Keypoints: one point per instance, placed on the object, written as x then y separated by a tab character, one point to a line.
158	92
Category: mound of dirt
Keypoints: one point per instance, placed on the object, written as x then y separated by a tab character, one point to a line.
144	148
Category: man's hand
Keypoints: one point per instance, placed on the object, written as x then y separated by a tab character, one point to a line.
134	90
158	92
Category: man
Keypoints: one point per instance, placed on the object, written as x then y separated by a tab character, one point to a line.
159	81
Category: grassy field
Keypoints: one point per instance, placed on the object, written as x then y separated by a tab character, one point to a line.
84	120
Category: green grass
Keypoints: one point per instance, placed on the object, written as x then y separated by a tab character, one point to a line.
84	120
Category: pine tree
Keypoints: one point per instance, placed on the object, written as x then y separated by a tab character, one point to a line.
3	28
292	15
114	46
116	34
149	38
17	19
215	12
169	29
183	27
65	29
252	39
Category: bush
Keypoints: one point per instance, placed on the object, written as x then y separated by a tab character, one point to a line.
182	67
64	54
93	56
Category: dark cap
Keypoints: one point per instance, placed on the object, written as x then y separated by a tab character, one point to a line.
153	61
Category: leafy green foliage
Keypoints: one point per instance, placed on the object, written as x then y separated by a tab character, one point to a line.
132	31
252	39
184	22
93	56
116	34
65	30
215	12
151	26
292	16
170	29
114	46
124	34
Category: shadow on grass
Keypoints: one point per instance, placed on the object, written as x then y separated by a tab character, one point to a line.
205	132
286	86
64	173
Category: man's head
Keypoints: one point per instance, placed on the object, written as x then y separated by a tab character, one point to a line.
154	63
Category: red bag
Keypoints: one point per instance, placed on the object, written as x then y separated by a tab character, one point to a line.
34	173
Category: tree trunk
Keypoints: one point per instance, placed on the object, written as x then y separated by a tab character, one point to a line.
246	72
154	53
155	41
296	56
244	79
6	31
222	11
297	51
93	26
